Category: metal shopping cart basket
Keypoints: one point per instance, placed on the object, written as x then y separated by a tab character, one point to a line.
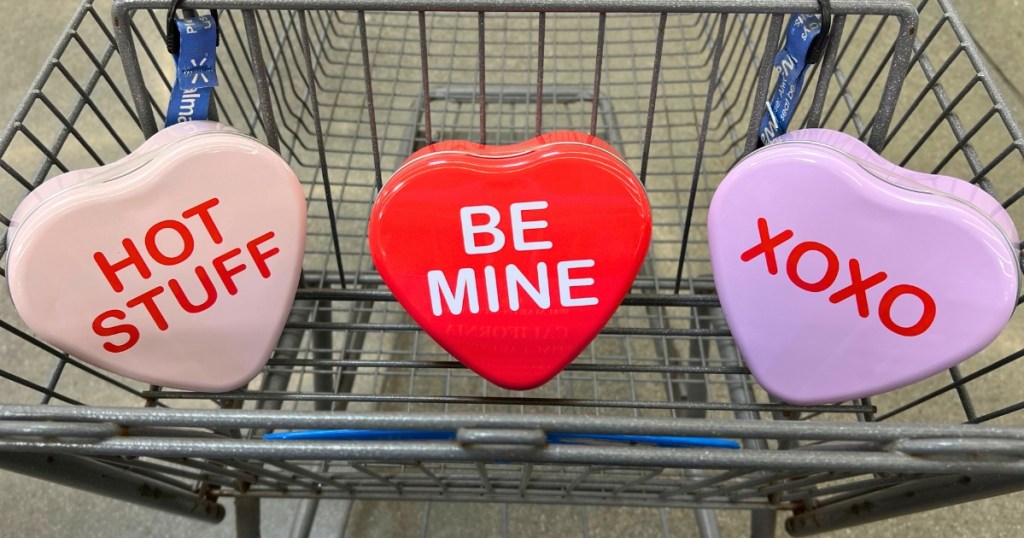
345	90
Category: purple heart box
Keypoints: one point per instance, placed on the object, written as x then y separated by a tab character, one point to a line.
843	275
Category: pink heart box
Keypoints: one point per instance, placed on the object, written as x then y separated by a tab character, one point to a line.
843	275
175	265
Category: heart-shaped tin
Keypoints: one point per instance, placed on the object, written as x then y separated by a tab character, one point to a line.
512	257
175	265
842	275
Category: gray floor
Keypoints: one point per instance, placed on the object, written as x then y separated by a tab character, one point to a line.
34	508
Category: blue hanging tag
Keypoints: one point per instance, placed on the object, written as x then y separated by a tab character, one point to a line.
196	73
791	65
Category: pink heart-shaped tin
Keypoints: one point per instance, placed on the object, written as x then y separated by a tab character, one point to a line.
175	265
843	275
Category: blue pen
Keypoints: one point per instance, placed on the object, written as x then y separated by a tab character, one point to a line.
663	441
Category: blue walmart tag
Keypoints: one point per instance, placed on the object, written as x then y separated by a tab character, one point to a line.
791	65
196	72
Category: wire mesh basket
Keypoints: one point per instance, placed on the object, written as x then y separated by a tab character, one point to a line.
345	90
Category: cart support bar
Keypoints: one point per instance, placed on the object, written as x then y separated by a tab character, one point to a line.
94	477
908	498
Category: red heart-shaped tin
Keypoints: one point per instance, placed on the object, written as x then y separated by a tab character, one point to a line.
512	257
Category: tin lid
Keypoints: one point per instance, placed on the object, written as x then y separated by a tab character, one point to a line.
844	276
175	266
512	257
161	141
958	190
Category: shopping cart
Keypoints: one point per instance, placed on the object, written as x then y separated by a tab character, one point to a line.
345	90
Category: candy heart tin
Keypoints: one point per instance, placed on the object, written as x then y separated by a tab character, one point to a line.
175	265
512	257
843	275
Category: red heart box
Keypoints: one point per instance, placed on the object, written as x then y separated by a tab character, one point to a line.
512	257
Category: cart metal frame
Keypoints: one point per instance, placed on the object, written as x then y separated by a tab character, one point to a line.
345	89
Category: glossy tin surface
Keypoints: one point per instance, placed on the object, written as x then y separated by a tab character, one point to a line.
174	266
512	257
843	276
